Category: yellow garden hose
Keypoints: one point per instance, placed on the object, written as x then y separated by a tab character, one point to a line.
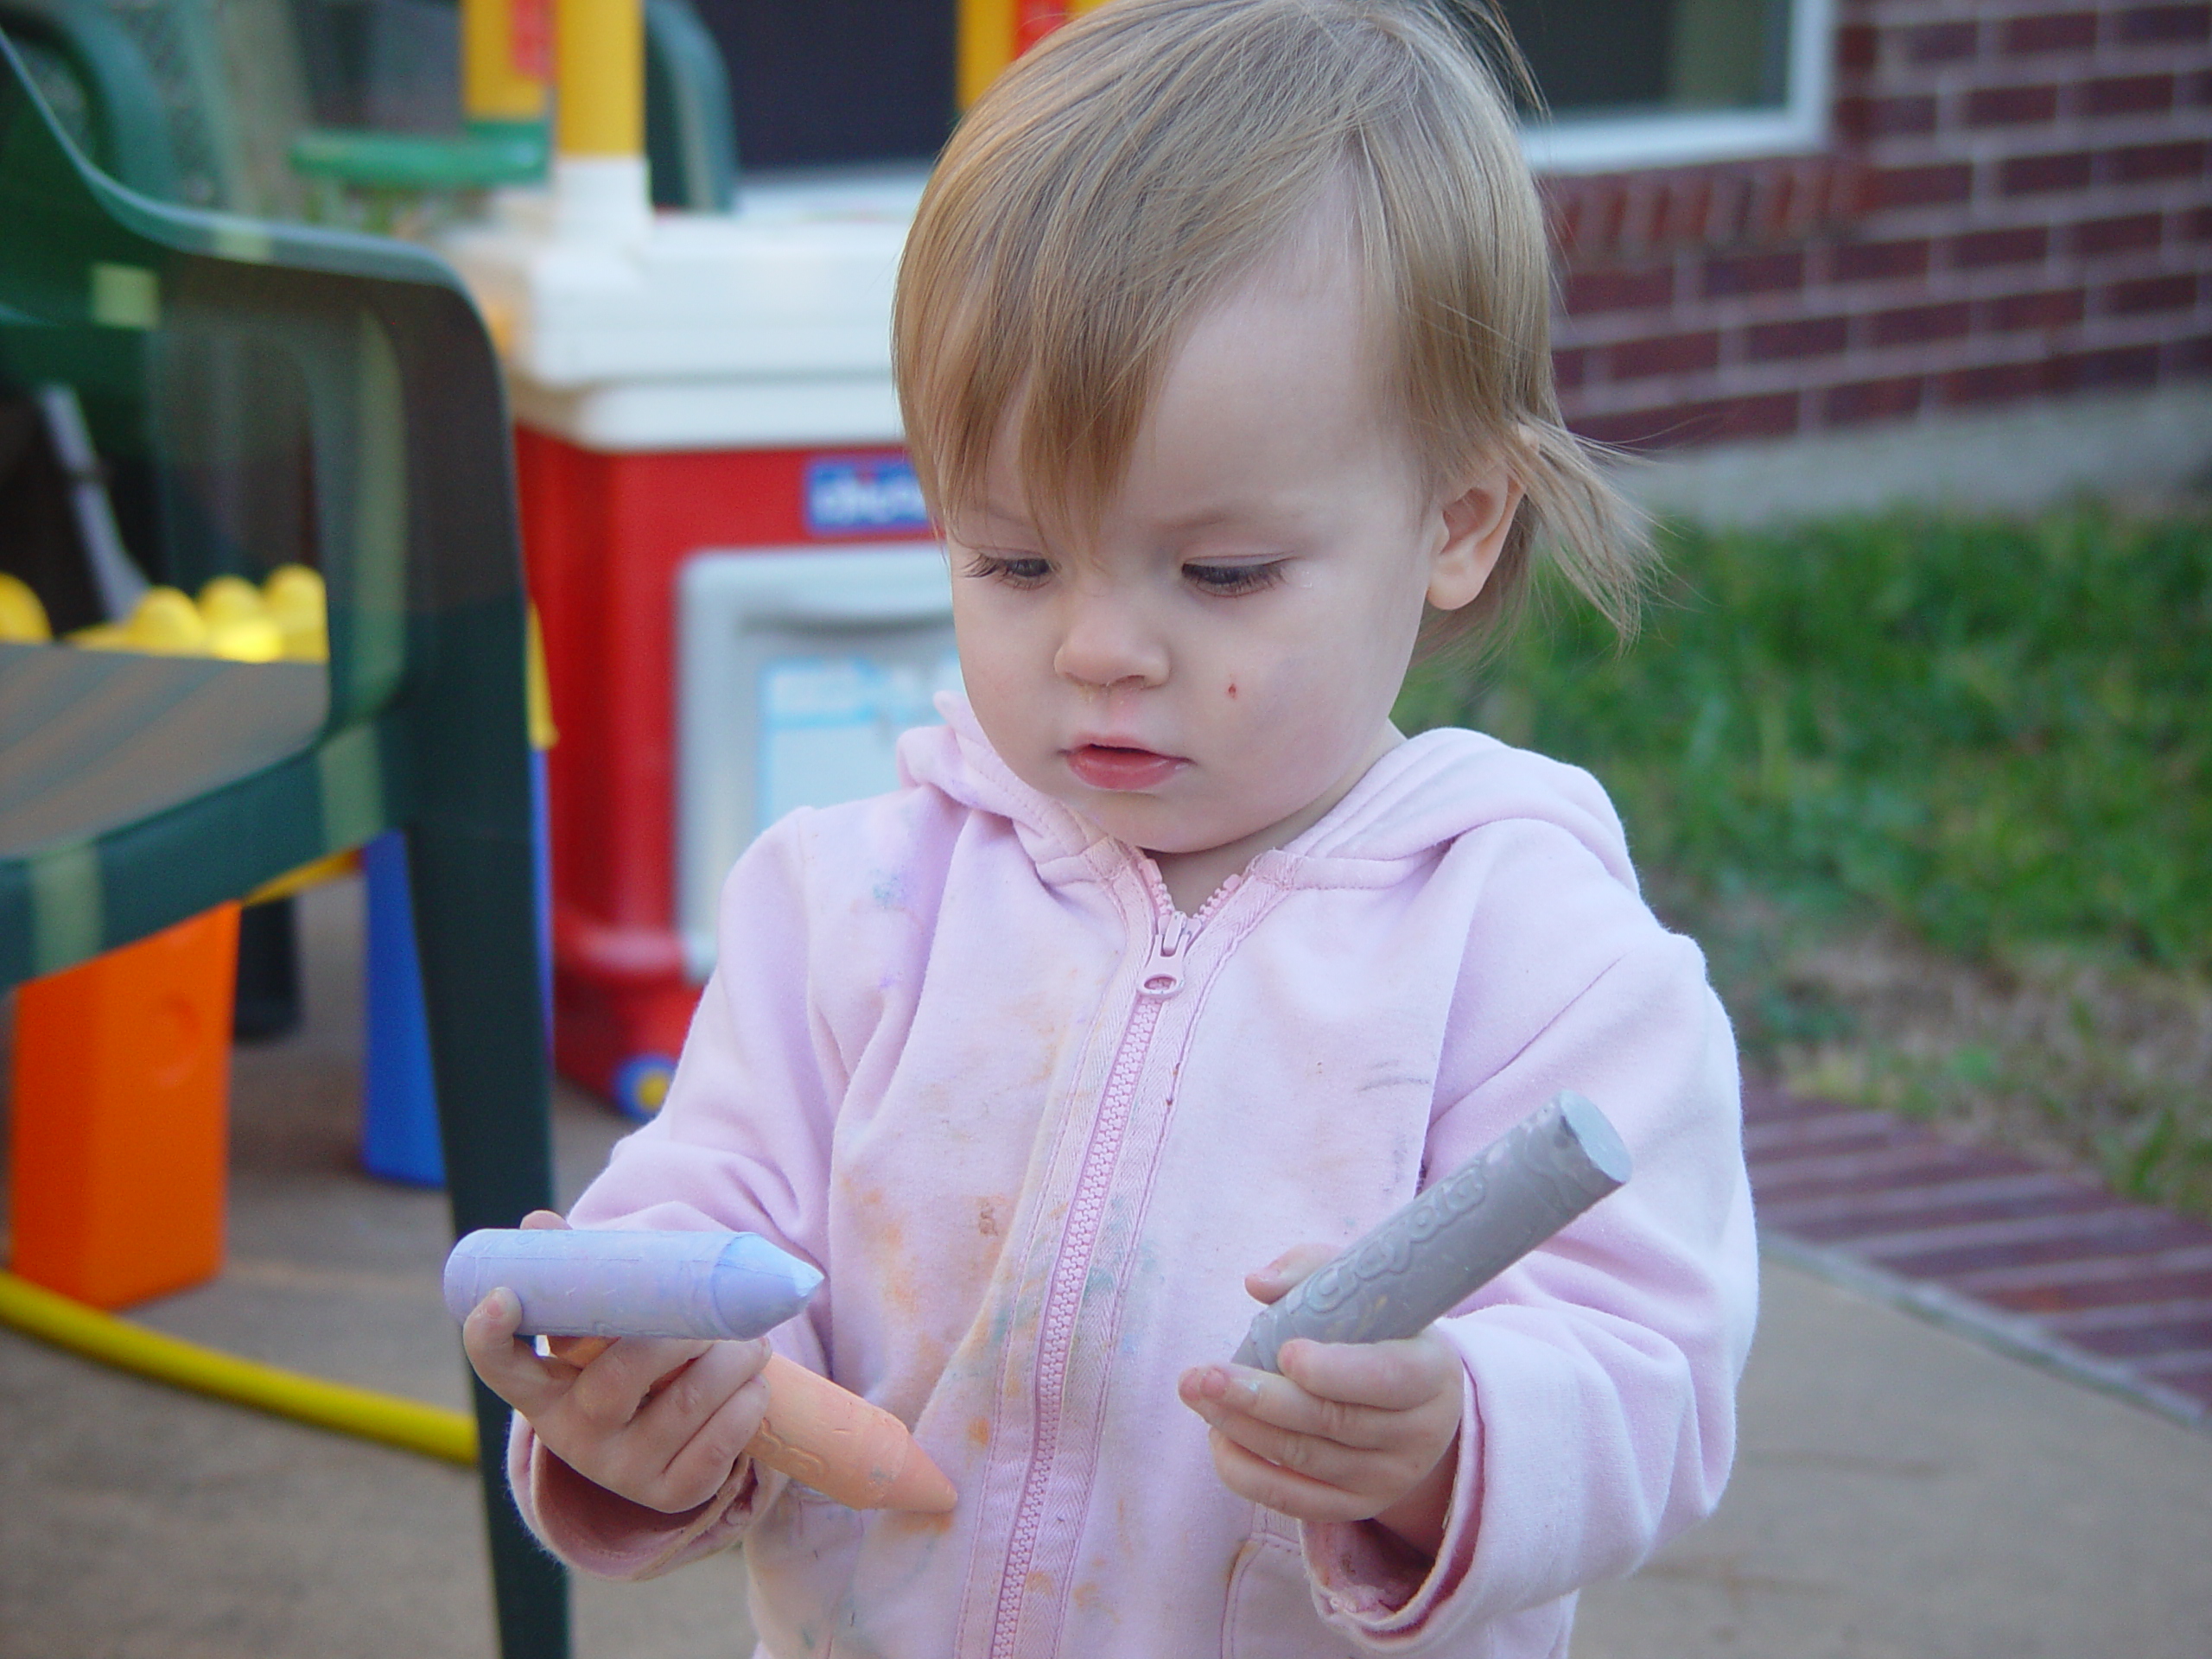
434	1431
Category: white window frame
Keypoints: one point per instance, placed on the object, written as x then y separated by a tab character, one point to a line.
1629	142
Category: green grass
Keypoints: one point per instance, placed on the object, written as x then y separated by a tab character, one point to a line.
1984	746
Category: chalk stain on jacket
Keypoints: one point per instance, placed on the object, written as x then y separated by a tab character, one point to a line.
849	1641
1037	1025
1143	1280
916	1375
908	1523
890	1267
1421	1082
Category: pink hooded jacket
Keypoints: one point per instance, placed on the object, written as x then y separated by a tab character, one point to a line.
1035	1126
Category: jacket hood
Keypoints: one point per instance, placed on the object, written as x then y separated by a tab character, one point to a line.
1427	792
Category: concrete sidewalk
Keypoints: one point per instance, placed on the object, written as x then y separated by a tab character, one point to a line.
1901	1491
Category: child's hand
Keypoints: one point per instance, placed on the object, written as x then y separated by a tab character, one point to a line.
660	1421
1349	1431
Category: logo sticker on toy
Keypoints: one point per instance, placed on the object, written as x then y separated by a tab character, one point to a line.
863	495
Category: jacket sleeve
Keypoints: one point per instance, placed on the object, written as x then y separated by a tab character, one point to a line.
741	1144
1599	1417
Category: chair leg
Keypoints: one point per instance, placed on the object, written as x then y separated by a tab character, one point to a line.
530	1589
476	929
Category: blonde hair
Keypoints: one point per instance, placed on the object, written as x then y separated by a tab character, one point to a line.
1120	176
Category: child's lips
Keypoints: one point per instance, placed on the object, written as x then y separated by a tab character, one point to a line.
1104	766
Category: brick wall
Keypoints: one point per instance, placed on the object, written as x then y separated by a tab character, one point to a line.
2016	207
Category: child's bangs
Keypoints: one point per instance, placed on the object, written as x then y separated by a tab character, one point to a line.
1089	206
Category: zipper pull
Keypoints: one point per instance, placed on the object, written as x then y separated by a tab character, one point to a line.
1163	975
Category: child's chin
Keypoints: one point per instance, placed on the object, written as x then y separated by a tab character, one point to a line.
1143	821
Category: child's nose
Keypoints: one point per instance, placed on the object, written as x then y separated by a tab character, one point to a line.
1104	642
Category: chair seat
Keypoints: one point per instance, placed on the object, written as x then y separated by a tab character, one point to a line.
90	741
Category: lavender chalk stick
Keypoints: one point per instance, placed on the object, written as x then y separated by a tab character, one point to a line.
586	1282
1455	1238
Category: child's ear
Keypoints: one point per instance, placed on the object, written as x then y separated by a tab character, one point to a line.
1478	515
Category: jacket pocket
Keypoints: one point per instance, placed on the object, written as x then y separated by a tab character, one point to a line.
1270	1613
800	1558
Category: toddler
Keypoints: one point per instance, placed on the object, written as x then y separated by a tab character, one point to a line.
1222	342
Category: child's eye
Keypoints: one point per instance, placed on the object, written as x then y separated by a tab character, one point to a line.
1014	570
1232	578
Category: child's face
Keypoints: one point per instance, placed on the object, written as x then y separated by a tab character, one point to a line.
1215	669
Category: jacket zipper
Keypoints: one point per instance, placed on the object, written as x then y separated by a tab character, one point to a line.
1161	978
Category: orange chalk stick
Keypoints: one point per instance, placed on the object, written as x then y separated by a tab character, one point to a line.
826	1437
120	1135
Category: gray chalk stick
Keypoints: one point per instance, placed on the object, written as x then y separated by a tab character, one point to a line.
588	1282
1459	1233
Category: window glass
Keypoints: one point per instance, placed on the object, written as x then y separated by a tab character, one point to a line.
822	82
1596	58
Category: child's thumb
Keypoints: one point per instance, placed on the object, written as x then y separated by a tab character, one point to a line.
1276	1279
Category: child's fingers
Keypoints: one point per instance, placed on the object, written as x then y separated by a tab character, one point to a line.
676	1447
1276	1280
697	1388
705	1451
510	1366
1220	1393
1325	1461
539	1221
613	1387
1284	1491
1400	1376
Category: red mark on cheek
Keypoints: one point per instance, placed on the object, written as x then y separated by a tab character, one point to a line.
1232	690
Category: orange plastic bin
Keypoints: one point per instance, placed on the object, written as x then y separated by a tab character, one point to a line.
121	1114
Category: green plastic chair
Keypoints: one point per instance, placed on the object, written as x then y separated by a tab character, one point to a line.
690	133
143	90
191	101
96	78
136	791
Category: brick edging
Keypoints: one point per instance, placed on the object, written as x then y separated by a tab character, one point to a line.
2045	1265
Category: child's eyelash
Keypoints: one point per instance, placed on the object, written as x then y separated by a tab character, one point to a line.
1233	578
1032	570
1019	570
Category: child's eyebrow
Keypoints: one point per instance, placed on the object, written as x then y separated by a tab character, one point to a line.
1206	518
984	520
1270	515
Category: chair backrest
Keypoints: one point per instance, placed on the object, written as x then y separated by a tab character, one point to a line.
404	431
690	133
95	76
411	491
191	101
